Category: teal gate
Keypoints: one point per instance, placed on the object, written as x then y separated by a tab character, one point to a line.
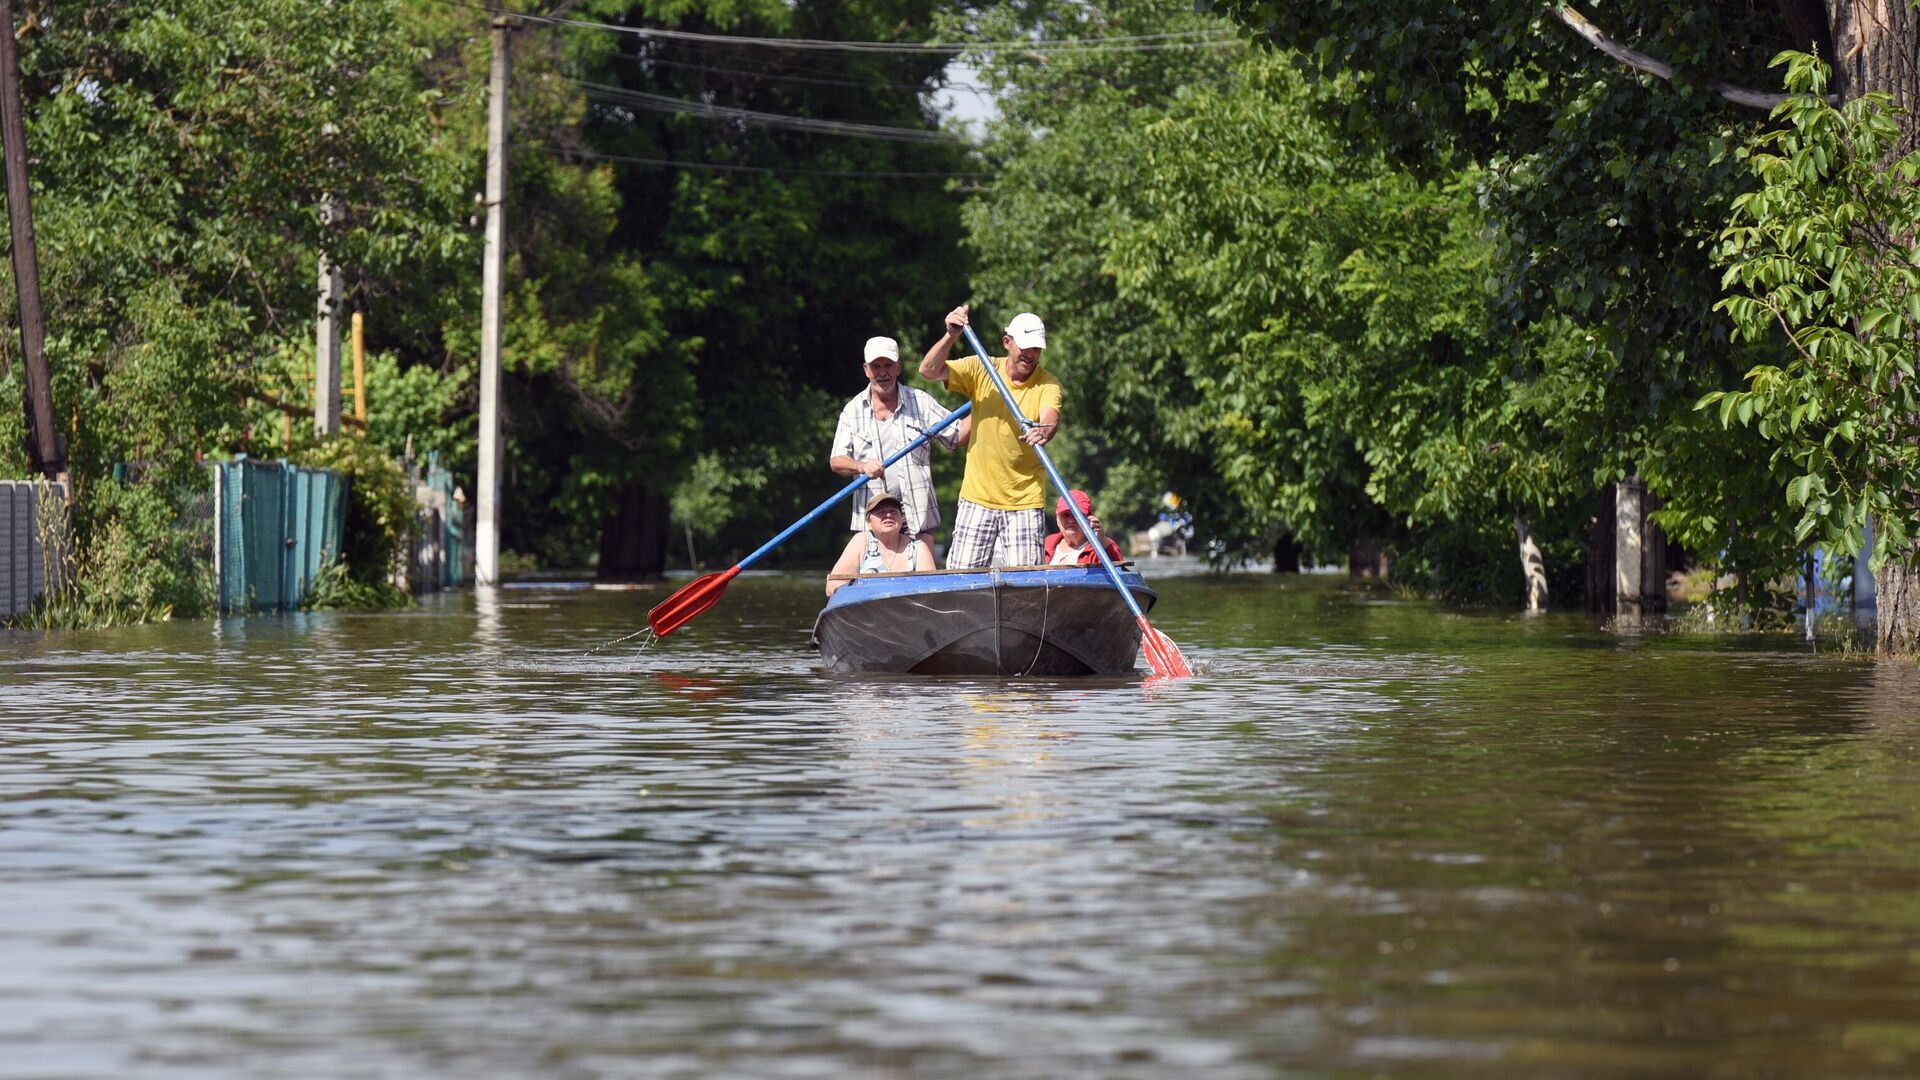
443	518
453	522
275	526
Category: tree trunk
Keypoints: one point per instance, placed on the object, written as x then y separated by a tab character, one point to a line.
1807	27
1653	557
1600	555
1875	43
1368	559
1897	616
1626	553
633	539
1629	546
1873	46
1533	565
1286	554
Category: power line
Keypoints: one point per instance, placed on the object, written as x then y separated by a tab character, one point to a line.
966	88
1207	39
640	99
715	166
827	64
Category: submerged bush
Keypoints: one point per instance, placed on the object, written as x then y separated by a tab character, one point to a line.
133	552
335	588
379	528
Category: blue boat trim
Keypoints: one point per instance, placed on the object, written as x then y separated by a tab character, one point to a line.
868	587
1044	621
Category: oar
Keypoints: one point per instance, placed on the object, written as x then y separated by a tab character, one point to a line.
699	594
1162	654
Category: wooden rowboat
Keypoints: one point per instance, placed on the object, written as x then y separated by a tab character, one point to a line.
1055	620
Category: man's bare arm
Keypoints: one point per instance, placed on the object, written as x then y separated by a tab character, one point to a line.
849	466
933	366
1044	428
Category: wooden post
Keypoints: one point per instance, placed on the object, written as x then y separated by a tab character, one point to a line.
487	529
1629	535
44	445
360	369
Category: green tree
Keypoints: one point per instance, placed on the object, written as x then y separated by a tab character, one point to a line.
709	301
655	314
1289	329
181	155
1611	187
1823	255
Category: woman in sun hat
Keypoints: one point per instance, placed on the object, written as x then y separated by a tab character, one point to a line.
885	547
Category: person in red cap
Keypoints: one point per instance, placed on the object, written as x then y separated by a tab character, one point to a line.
1069	546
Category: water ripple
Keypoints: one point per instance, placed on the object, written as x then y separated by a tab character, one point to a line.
1370	838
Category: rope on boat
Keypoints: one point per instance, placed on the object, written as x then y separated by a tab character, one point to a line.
644	646
999	617
1046	602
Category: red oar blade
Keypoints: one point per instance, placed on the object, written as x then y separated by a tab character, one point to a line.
1162	654
688	601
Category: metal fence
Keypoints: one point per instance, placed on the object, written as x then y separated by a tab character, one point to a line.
275	526
442	554
32	525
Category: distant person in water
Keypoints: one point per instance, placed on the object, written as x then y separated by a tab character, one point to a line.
1003	496
876	424
884	547
1069	546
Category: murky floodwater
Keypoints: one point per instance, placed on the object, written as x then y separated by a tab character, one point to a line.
1376	839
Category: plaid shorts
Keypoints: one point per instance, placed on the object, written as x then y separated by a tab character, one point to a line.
983	537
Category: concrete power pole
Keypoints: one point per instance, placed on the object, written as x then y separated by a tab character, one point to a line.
486	546
44	445
326	362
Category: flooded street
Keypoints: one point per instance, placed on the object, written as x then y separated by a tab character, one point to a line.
1375	837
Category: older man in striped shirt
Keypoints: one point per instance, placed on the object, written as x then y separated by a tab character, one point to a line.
876	424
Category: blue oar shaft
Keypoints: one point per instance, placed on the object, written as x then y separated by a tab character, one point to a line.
849	489
1086	527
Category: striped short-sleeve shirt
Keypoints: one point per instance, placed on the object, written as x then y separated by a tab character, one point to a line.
861	435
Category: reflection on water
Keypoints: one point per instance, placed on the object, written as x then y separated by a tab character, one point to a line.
1376	839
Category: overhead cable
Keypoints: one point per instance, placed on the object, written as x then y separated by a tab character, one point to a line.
965	88
640	99
714	166
1198	39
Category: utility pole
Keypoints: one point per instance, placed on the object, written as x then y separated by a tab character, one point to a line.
486	546
44	445
326	365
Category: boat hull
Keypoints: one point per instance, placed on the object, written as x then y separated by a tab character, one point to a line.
1051	621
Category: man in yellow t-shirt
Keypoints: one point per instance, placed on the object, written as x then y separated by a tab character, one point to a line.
1002	519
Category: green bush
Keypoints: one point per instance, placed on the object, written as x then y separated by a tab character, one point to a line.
336	589
134	553
379	529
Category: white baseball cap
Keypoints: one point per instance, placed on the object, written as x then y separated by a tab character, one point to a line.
878	347
1027	331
